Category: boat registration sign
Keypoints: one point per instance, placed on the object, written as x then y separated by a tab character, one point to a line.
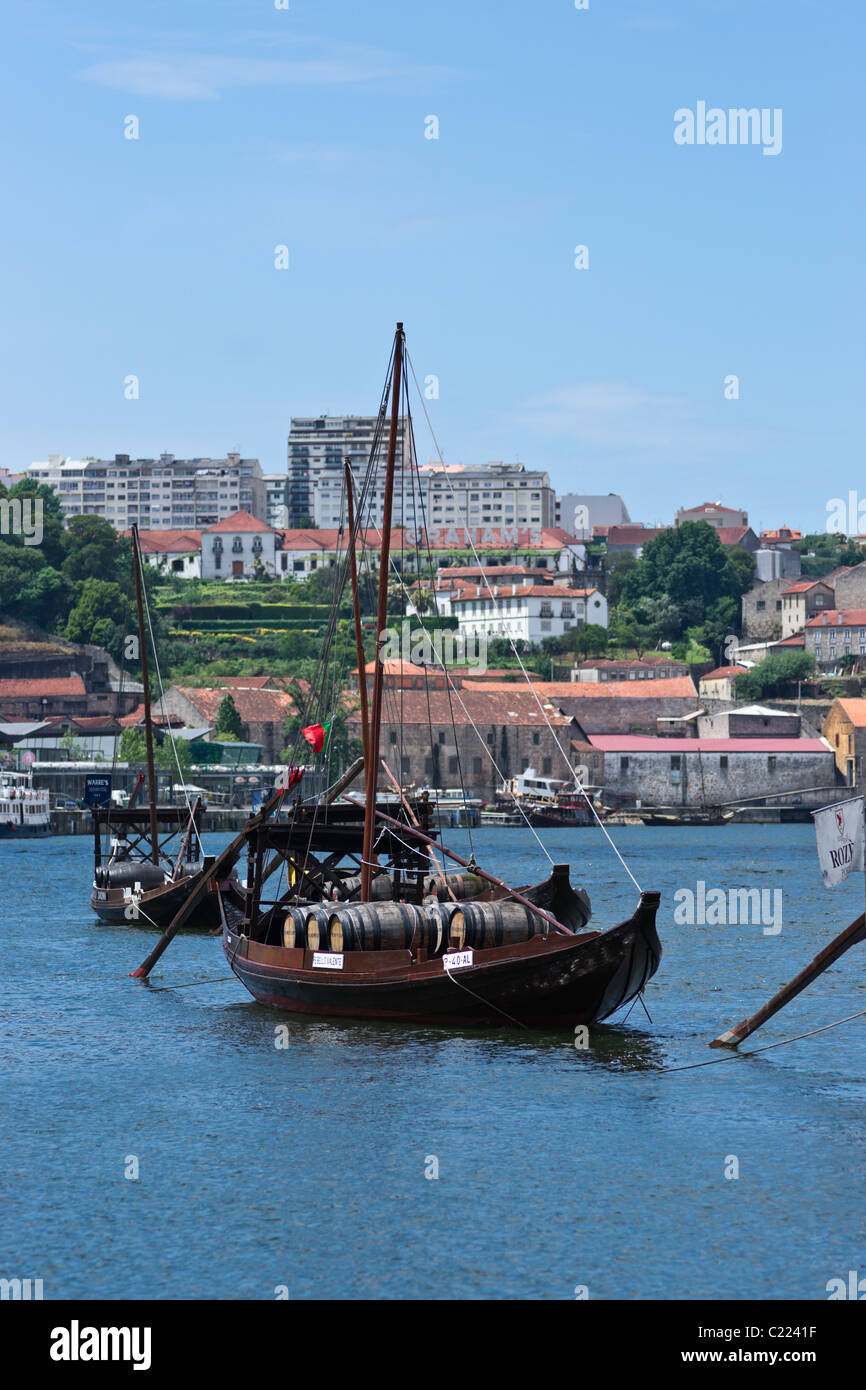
327	960
456	960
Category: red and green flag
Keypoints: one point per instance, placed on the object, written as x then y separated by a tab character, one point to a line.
317	736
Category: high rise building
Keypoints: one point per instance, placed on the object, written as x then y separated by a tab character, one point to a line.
160	494
492	494
317	449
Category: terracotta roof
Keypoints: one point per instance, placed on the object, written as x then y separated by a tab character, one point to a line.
855	710
636	743
722	671
168	542
631	662
785	533
395	666
490	572
519	591
836	617
710	507
500	707
136	718
255	706
798	640
239	521
732	535
51	685
804	585
682	686
633	535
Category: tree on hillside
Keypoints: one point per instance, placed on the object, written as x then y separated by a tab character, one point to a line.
228	724
96	551
775	675
621	567
102	616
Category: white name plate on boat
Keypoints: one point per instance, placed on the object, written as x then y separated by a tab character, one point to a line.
324	960
456	960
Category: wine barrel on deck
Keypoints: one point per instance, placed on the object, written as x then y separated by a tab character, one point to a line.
389	927
294	923
316	927
463	886
127	873
483	925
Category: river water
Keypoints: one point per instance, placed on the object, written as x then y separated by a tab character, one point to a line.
155	1143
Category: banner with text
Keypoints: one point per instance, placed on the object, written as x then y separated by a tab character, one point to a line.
839	830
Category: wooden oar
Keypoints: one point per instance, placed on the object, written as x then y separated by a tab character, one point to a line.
849	937
452	854
226	860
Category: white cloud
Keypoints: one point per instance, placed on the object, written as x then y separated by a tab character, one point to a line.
198	77
614	416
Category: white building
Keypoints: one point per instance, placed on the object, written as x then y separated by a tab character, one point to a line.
525	612
231	548
172	552
317	449
158	493
494	494
276	499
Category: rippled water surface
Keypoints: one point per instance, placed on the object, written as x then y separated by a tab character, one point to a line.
305	1167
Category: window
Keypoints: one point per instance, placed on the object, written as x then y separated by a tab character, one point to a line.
623	764
453	765
771	762
441	738
760	605
476	765
547	766
392	737
723	762
536	737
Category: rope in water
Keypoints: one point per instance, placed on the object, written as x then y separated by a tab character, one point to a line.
731	1056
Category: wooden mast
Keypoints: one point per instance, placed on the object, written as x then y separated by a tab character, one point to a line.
145	680
356	610
372	767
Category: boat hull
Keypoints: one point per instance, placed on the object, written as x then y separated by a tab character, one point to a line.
157	907
557	980
24	832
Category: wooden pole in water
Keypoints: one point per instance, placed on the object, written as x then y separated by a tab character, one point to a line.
849	937
372	765
148	723
356	611
226	860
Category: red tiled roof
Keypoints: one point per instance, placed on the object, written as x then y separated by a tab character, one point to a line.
633	535
168	542
682	686
836	617
798	640
631	662
636	743
239	521
255	706
520	591
500	707
855	710
732	535
722	671
51	685
785	533
136	718
803	585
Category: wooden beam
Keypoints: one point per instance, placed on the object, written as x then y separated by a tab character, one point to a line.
837	947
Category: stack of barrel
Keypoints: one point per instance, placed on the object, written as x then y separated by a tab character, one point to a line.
388	926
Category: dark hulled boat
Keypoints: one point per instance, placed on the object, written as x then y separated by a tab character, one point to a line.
389	935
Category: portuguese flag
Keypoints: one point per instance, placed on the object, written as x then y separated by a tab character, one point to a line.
317	736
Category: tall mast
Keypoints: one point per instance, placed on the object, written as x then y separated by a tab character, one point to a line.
356	610
372	765
145	680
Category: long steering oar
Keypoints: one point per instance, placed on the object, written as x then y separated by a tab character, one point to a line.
218	869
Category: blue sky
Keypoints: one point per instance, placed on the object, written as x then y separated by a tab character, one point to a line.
305	127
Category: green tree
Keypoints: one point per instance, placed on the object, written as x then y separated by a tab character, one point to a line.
590	640
101	616
229	721
622	566
96	551
775	675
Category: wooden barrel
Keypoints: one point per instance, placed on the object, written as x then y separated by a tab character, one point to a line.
463	886
442	918
495	924
384	927
316	927
382	888
294	923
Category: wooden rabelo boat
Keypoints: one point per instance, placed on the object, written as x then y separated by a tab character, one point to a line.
348	910
141	875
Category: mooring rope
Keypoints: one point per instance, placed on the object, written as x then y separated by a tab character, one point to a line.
753	1051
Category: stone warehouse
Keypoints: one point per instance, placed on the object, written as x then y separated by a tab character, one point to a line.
429	740
717	771
263	709
613	706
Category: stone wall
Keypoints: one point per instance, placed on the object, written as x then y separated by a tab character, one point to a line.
703	780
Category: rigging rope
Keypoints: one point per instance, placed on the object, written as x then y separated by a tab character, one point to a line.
577	782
